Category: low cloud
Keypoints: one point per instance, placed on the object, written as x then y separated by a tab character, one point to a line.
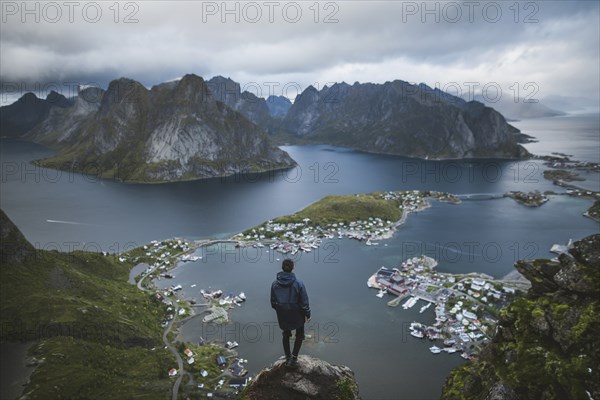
554	44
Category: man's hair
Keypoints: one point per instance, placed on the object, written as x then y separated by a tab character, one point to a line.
287	265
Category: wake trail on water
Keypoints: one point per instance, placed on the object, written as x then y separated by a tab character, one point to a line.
55	221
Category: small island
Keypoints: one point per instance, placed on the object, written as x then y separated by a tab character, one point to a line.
562	175
366	217
531	199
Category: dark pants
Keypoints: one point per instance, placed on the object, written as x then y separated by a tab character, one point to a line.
297	342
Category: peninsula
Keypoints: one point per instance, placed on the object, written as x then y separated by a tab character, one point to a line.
366	217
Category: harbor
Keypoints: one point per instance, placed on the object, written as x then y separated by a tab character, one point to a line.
466	305
304	234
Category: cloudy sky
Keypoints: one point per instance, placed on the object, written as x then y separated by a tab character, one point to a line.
538	48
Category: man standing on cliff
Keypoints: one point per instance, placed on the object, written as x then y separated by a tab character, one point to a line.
290	301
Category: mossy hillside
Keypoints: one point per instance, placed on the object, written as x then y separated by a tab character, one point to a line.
546	345
204	359
79	294
71	368
342	208
96	335
332	209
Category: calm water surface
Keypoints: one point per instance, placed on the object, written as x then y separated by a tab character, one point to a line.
350	325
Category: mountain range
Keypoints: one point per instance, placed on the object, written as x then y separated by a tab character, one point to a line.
174	131
191	129
400	118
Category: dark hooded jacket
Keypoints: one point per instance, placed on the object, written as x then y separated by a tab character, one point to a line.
290	301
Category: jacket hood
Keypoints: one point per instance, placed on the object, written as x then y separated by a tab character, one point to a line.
285	278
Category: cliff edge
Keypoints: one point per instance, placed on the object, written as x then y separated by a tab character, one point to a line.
546	346
314	379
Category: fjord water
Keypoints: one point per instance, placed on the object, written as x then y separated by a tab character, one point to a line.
58	210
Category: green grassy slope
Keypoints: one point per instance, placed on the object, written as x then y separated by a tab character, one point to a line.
95	332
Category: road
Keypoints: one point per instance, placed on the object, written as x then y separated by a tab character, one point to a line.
169	326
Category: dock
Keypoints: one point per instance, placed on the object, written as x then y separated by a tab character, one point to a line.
395	302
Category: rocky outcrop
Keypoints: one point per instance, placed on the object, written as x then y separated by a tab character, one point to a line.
14	248
175	131
278	106
546	345
314	379
63	123
400	118
20	117
229	92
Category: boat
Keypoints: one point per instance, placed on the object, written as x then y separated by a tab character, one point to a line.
189	257
417	334
450	350
410	302
381	293
178	287
425	307
416	325
231	345
435	349
561	248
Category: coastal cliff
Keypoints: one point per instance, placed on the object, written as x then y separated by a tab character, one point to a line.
401	118
175	131
314	379
546	346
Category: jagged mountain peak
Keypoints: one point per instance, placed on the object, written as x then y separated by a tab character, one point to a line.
400	118
278	106
174	131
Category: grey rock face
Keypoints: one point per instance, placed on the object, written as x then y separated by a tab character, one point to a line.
400	118
229	92
62	123
175	131
313	379
278	106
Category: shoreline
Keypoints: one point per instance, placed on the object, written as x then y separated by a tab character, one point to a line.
466	305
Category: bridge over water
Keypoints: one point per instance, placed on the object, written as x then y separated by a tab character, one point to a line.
480	196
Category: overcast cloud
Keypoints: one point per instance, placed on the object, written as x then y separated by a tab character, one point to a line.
554	44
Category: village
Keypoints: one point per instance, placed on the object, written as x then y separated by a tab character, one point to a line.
213	368
291	235
466	306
